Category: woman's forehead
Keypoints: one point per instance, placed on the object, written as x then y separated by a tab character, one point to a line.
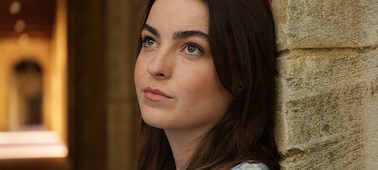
178	15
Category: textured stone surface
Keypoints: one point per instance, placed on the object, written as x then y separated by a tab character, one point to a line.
326	23
370	110
327	83
320	109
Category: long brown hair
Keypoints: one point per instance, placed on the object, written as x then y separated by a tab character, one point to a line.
242	42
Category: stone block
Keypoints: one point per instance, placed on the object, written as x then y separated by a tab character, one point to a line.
333	154
321	107
370	110
325	23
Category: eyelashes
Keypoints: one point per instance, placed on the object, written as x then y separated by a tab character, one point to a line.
148	42
189	48
193	49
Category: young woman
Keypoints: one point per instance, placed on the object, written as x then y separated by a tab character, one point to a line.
204	79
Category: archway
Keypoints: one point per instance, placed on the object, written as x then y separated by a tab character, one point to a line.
25	96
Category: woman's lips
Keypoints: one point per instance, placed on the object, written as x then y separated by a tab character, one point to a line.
155	94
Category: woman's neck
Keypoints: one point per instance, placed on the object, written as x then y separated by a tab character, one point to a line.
183	144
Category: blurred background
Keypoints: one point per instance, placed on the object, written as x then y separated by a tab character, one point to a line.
66	84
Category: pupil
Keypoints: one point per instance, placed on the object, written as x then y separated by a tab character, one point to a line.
150	42
191	49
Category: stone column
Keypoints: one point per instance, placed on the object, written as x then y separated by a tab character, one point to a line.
122	22
328	82
103	110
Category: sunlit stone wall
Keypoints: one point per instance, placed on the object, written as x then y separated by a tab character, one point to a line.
328	83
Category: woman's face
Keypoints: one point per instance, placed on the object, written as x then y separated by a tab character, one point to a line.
176	82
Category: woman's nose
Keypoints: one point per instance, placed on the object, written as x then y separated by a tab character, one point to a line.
160	66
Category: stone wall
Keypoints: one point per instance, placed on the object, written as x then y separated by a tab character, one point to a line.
328	81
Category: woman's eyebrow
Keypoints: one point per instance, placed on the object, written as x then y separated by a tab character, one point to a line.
152	30
179	34
190	33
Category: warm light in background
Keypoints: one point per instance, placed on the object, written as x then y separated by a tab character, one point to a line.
20	26
23	40
31	144
15	7
33	32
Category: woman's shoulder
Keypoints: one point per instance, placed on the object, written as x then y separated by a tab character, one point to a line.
250	166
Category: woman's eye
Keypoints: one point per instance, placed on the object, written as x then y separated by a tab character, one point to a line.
193	49
149	42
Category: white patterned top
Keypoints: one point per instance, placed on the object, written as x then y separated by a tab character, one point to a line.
250	166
